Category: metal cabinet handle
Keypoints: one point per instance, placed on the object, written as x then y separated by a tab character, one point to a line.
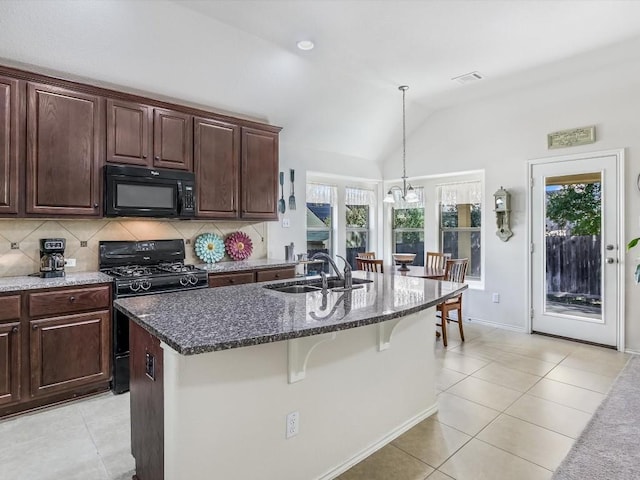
72	299
610	260
157	158
95	205
14	330
34	327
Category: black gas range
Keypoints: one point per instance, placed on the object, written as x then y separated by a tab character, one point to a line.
150	266
143	268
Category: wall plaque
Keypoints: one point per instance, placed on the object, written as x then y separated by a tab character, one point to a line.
572	137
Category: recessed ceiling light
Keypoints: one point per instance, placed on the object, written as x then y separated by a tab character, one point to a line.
305	45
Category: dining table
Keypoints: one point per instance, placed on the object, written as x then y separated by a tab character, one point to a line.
422	272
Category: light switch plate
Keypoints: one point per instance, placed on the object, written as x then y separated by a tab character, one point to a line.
286	223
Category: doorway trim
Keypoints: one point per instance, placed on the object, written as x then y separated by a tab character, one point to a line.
620	301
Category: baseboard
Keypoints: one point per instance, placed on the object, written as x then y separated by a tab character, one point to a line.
496	325
631	351
412	422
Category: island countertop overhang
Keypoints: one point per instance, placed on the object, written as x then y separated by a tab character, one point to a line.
212	319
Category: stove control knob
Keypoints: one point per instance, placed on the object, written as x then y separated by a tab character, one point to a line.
135	285
184	281
192	279
145	284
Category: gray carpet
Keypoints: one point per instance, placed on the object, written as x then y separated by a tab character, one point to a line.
608	448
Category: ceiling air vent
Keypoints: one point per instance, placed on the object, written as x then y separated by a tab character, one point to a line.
468	78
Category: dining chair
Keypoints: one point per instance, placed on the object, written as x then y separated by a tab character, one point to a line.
454	271
370	265
436	260
370	255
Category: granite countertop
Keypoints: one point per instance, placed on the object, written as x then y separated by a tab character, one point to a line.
258	264
26	282
205	320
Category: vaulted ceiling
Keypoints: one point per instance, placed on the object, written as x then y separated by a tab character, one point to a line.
346	95
240	56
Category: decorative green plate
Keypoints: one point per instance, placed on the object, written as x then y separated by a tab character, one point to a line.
209	247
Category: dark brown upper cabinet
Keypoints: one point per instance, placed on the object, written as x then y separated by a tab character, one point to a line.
9	175
65	150
139	134
172	139
56	135
216	155
259	174
129	130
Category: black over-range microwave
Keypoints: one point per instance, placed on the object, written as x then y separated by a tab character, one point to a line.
145	192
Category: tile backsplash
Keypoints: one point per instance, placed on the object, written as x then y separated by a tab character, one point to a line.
20	246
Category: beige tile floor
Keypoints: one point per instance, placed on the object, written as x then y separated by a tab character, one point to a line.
510	406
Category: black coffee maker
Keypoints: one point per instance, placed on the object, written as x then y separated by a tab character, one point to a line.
52	257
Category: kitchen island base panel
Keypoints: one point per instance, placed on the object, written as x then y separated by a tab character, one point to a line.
225	411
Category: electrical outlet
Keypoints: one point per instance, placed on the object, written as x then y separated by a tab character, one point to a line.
286	223
495	298
70	262
293	424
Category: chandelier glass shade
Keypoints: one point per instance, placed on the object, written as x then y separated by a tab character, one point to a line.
407	192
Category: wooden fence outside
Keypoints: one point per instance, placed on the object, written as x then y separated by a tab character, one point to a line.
573	265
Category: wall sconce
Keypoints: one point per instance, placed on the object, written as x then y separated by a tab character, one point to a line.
502	203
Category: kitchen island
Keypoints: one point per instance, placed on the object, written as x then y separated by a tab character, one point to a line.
216	374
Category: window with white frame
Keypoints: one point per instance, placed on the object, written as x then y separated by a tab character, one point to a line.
460	223
321	202
359	205
408	227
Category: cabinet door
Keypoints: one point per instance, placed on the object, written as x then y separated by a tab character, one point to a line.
172	139
259	180
216	165
8	145
9	362
129	128
65	148
70	351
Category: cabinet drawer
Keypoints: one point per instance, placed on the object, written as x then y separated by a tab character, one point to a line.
275	274
10	307
230	279
69	301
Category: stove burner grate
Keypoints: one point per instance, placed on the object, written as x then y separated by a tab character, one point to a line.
131	271
176	267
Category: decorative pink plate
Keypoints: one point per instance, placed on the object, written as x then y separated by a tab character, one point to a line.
238	246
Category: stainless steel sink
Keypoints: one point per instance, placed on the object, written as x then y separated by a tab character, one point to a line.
338	283
293	288
335	284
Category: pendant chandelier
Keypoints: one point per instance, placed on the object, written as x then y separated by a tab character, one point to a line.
407	192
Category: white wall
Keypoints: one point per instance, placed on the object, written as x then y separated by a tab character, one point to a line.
499	135
328	165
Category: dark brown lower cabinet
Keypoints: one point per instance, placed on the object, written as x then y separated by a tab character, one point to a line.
55	345
9	362
147	404
68	352
250	276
